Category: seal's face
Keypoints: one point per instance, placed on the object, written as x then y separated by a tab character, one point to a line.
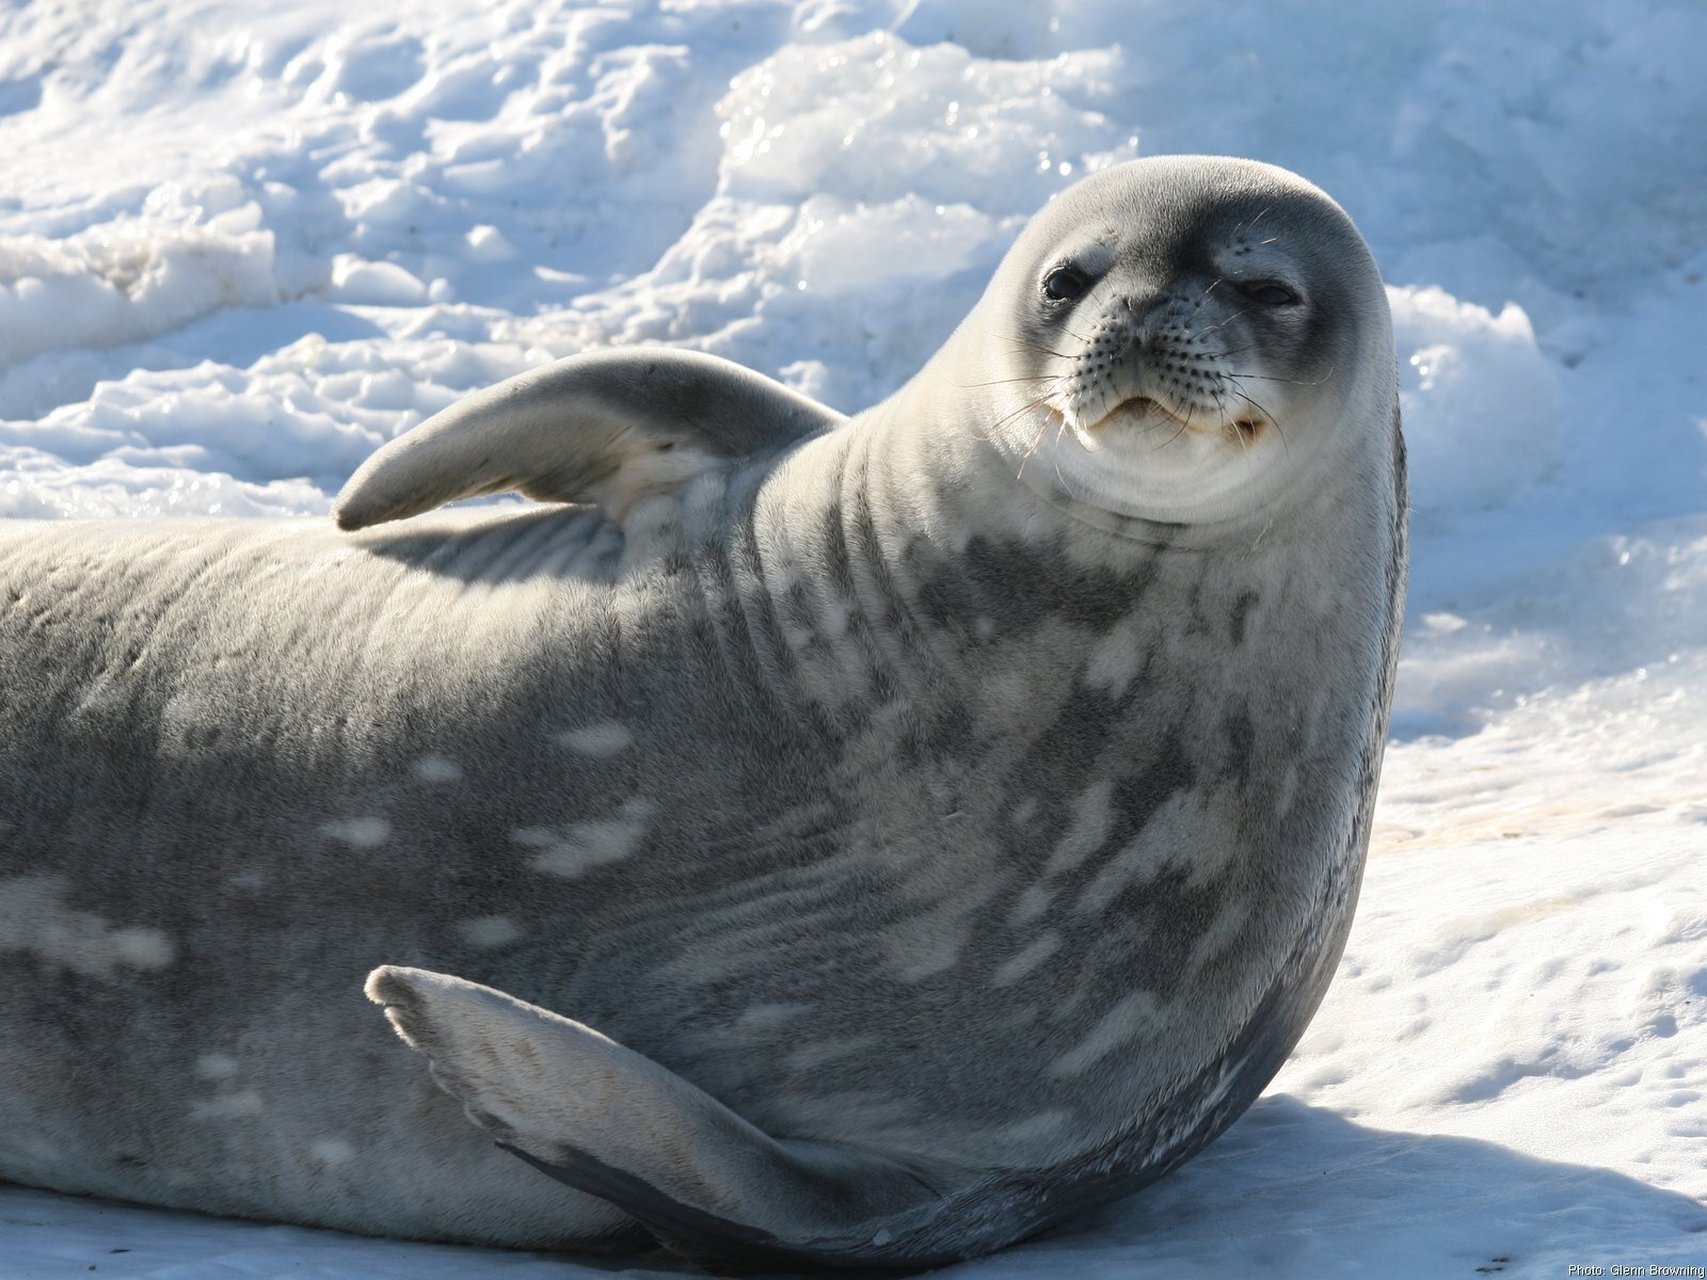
1187	338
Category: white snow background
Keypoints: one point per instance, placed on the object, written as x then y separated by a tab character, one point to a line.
242	245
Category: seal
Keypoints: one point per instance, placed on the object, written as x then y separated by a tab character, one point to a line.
825	842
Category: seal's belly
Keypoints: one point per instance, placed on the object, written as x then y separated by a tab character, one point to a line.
249	763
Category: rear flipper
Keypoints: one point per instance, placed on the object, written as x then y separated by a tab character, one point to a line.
613	1123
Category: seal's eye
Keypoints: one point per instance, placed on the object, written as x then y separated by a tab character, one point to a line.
1270	294
1064	284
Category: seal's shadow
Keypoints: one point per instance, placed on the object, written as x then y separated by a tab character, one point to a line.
1296	1190
1289	1191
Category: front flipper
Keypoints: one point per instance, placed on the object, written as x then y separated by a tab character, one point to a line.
608	427
617	1125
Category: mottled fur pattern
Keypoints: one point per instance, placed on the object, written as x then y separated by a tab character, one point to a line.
977	790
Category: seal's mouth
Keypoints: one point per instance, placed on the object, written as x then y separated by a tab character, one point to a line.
1148	412
1136	411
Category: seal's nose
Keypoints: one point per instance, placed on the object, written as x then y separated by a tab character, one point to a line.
1148	321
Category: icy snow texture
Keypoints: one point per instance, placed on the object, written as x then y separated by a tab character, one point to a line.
241	246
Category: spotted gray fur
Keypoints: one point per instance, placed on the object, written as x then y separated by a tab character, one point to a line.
938	822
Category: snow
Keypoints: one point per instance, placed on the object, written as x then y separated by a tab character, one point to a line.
240	247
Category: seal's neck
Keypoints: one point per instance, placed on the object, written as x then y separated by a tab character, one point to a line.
897	549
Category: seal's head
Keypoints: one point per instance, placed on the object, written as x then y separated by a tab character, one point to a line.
1182	340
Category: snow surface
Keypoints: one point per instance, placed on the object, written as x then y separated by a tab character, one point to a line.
241	246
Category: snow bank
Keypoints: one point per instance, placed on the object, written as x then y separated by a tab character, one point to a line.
1480	401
